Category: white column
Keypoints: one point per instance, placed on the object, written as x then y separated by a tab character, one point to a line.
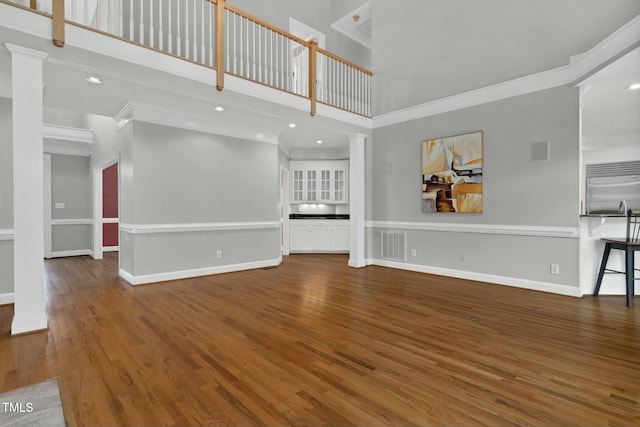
357	256
28	190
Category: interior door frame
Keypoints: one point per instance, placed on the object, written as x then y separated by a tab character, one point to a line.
97	203
284	209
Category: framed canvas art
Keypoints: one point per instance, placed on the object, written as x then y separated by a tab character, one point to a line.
452	174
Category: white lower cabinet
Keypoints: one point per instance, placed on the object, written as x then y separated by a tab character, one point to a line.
318	235
340	238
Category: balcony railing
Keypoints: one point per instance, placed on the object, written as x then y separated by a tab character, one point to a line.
219	36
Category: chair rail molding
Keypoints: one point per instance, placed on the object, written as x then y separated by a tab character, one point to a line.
185	228
518	230
6	234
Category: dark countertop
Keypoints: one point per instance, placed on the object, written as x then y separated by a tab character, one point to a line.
318	216
604	215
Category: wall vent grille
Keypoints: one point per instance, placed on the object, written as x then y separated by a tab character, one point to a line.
394	246
613	169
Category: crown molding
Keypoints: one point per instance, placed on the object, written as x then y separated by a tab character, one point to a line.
67	140
134	111
580	67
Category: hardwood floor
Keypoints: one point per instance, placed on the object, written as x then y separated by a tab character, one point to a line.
313	342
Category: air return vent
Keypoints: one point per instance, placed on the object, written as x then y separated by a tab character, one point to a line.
394	246
613	169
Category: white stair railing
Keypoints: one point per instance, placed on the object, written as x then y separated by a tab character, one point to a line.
253	49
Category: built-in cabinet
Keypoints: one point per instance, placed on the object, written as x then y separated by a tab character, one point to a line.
319	235
319	181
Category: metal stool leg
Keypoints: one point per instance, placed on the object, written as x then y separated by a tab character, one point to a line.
603	266
630	275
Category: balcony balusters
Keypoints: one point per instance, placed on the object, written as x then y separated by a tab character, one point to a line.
252	49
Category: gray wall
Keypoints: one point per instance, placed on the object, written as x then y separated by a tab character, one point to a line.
517	190
71	185
175	176
6	194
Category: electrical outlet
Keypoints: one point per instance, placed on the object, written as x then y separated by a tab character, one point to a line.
414	252
555	269
463	258
219	254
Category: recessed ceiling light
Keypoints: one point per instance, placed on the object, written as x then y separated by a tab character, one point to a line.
292	125
219	108
319	141
94	80
634	86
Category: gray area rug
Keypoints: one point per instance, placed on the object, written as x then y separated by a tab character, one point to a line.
34	405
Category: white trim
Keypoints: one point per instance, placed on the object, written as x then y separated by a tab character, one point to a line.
110	248
77	252
184	228
67	140
23	327
517	230
534	285
357	190
7	298
110	220
166	117
82	221
108	161
6	234
26	52
48	238
603	53
206	271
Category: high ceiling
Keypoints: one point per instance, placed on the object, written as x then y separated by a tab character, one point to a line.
610	113
433	49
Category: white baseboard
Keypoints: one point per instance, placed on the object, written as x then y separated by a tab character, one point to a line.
186	274
356	263
533	285
7	298
110	248
79	252
26	326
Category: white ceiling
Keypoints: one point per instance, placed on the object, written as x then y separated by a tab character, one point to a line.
611	112
66	88
356	24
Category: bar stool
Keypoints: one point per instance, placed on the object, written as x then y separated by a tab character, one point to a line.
630	245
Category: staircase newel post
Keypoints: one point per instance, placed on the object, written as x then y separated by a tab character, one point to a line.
58	23
219	41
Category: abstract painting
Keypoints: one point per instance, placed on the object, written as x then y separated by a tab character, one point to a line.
452	174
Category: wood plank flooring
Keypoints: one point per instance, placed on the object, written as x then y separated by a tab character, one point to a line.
313	342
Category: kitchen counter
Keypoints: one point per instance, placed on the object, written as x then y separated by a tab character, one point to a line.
319	216
603	215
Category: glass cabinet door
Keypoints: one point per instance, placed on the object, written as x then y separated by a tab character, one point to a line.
312	186
298	185
338	185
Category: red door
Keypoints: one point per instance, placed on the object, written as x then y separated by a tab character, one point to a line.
110	208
